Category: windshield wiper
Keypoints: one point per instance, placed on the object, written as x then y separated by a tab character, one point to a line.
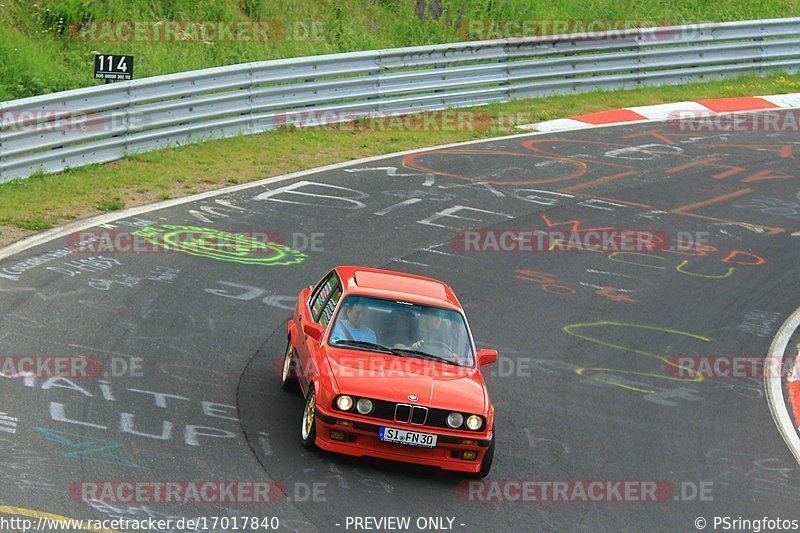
402	352
431	356
368	344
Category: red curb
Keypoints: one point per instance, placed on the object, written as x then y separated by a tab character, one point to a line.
743	103
707	107
794	400
608	117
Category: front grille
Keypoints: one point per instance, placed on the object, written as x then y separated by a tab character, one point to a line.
402	413
413	414
419	415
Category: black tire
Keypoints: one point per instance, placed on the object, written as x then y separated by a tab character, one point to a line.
486	463
288	373
308	424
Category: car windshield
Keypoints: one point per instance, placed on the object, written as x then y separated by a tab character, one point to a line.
402	328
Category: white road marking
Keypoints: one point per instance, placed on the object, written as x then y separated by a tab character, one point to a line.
432	249
773	384
8	423
600	287
410	262
593	271
391	208
559	124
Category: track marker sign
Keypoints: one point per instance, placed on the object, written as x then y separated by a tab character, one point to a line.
113	68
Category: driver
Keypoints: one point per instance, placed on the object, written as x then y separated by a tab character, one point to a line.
432	329
353	328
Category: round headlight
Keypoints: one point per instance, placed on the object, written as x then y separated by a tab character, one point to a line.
344	403
364	406
474	422
454	420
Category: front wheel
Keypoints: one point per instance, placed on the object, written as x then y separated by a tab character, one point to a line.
486	464
308	427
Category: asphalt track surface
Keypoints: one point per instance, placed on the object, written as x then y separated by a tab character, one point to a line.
582	391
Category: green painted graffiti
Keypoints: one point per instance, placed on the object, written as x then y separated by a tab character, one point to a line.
220	245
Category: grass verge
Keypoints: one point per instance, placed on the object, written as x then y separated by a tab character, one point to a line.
46	200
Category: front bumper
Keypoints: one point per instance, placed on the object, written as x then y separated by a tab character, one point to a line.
362	440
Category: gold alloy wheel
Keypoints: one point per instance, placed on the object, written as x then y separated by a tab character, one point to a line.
308	415
287	362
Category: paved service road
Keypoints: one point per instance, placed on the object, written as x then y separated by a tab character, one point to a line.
586	388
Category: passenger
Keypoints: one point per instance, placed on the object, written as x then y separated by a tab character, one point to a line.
352	328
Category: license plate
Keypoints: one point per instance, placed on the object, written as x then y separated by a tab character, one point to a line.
410	438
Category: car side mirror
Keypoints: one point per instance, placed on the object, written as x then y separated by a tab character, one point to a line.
487	357
313	330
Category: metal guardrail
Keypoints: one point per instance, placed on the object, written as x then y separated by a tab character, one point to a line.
106	122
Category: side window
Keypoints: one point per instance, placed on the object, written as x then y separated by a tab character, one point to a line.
320	296
330	305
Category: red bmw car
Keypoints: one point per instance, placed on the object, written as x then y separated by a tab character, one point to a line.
388	368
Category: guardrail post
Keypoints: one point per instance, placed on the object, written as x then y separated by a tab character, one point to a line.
252	123
126	118
762	56
638	62
2	135
507	60
375	112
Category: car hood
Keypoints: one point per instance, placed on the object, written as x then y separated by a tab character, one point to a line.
393	378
